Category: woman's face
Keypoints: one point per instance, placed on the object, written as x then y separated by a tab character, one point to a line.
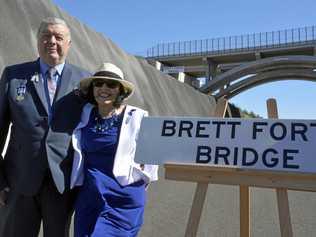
105	92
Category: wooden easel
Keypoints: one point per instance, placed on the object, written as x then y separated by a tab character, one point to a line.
204	175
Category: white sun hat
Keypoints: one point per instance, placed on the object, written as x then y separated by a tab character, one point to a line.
109	72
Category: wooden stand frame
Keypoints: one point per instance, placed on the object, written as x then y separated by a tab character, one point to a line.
203	175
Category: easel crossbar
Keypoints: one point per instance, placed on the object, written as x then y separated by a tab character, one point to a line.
237	176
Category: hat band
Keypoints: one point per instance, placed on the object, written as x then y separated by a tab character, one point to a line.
107	74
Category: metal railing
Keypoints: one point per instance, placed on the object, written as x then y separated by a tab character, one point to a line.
274	39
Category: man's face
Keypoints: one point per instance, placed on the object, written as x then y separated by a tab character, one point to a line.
53	44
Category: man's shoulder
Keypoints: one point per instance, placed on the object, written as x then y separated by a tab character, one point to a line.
21	69
22	65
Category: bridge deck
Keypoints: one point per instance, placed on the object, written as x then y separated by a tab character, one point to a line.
228	52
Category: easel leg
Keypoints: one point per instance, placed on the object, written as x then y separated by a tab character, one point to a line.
196	210
284	213
282	197
244	207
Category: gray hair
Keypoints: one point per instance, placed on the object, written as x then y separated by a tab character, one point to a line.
51	21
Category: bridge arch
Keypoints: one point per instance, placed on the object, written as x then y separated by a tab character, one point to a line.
260	72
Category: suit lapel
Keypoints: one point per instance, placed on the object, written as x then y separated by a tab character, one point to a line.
65	82
39	85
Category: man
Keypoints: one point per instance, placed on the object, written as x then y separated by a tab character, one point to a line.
39	100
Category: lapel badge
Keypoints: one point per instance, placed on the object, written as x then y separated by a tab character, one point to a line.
130	114
35	77
76	91
20	92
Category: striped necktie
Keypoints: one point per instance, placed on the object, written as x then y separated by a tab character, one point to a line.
51	83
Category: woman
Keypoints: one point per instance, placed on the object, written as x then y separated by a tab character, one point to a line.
112	195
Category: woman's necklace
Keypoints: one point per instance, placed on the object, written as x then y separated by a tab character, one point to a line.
103	125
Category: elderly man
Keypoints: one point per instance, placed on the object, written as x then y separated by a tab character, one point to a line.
39	100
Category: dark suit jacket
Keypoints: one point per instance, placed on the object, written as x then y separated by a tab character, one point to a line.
35	145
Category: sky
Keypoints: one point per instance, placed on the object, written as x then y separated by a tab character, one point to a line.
138	25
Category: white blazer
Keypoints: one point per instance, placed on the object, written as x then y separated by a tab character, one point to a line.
125	170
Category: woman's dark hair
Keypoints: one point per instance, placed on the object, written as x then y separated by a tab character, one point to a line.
89	97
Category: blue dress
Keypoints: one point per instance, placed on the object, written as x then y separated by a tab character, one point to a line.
104	208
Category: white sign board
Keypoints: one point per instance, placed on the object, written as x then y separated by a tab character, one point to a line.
287	145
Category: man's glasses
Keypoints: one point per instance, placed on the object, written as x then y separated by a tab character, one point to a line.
109	84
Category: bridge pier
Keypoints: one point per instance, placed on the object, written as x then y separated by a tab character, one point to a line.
157	65
211	68
185	78
258	55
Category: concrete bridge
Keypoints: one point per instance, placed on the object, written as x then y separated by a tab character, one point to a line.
189	60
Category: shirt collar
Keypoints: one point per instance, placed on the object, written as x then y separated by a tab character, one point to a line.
44	67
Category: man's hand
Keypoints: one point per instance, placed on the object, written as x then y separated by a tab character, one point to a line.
3	196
